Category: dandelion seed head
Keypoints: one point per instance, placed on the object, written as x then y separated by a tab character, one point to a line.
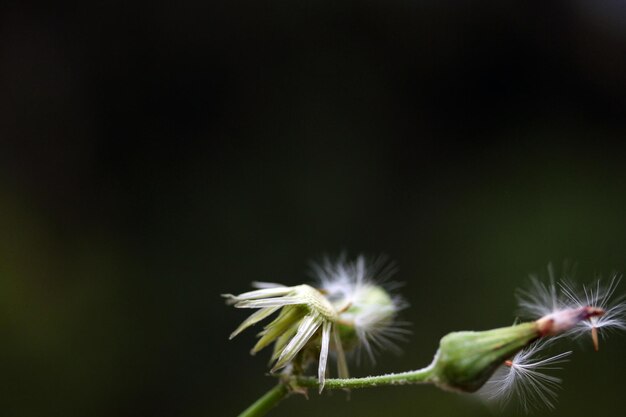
556	307
350	305
360	292
602	296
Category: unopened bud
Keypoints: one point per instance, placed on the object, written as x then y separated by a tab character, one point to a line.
466	360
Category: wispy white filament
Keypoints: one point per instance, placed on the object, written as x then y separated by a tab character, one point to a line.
601	296
523	379
541	298
348	286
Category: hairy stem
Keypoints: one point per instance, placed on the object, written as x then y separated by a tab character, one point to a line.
261	406
264	404
420	376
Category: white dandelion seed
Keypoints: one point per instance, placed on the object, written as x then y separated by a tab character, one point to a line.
556	313
367	312
522	379
599	296
349	310
541	298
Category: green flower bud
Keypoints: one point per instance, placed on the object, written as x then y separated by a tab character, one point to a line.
466	360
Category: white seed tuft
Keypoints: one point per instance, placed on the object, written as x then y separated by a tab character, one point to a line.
359	292
600	296
541	298
522	379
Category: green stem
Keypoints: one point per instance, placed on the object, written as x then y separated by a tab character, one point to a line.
264	404
420	376
280	391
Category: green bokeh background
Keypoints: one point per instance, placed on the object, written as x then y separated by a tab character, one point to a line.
155	155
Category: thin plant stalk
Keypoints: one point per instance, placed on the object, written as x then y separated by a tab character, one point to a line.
276	394
419	376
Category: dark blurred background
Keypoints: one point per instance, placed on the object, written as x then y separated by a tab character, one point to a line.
154	155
